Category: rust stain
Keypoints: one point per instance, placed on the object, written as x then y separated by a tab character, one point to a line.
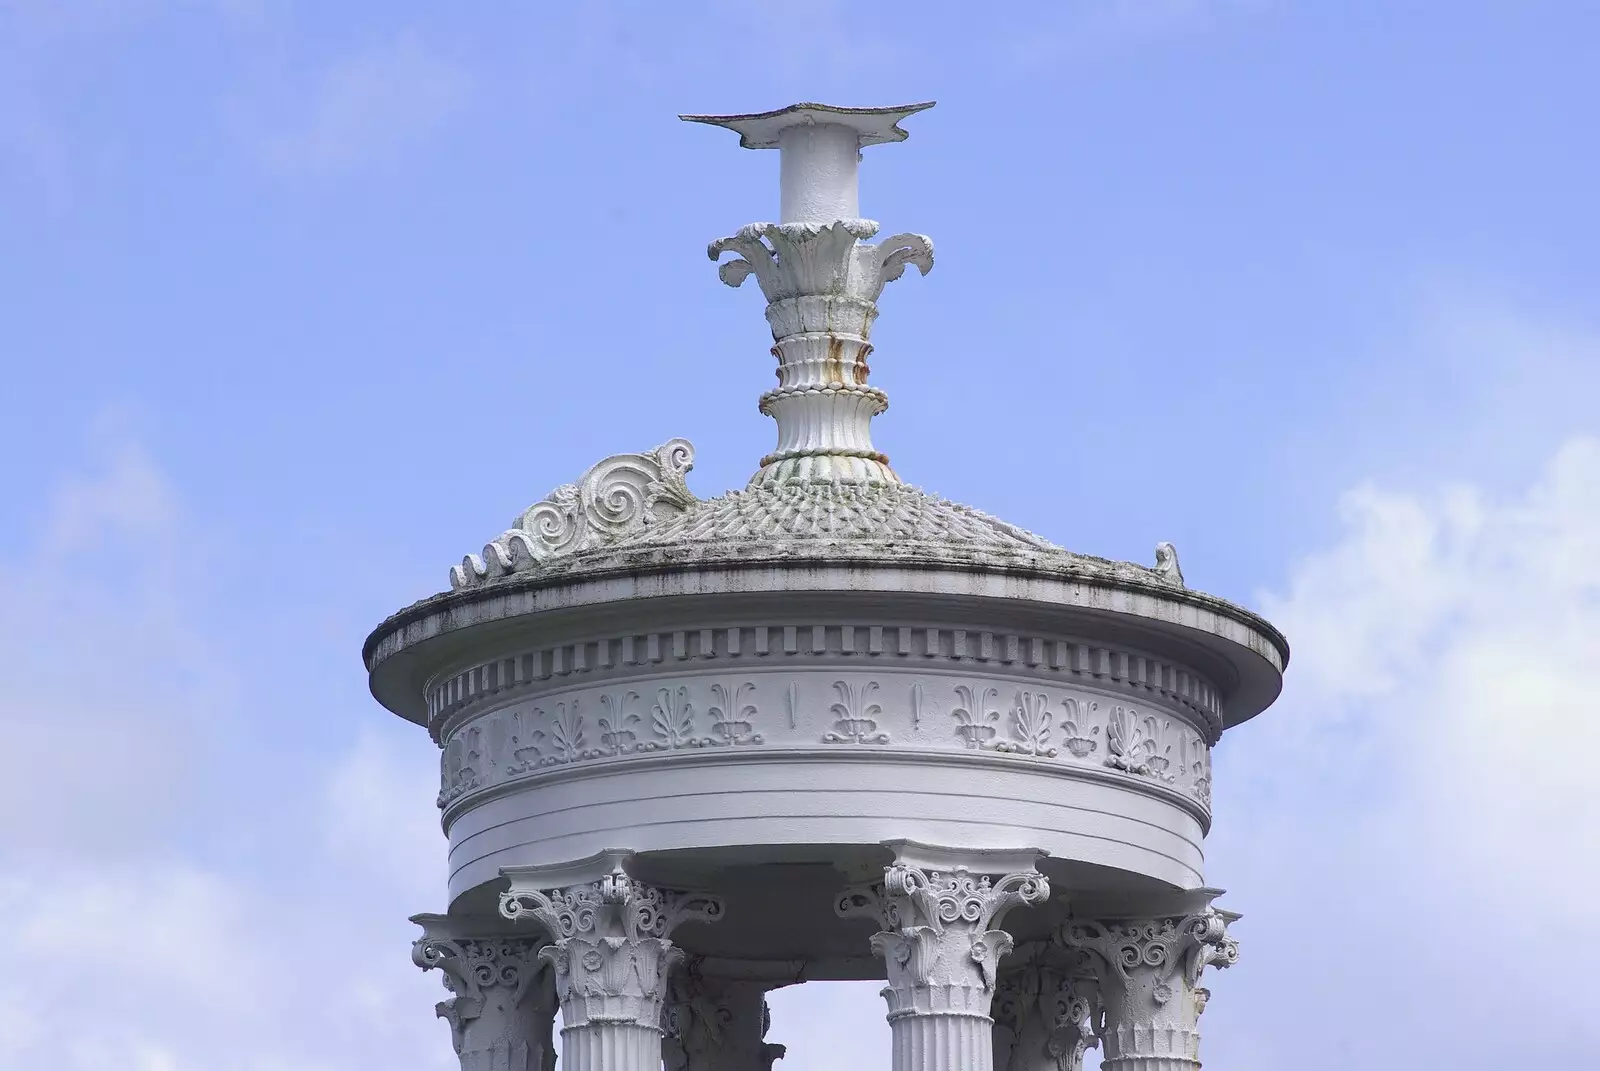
862	368
833	363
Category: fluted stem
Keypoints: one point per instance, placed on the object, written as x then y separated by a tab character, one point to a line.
611	1047
942	1043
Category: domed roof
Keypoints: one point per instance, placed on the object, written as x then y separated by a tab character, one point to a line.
633	507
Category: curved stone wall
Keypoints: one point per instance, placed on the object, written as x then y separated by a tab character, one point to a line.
826	734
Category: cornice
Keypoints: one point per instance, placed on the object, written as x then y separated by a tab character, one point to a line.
452	699
1234	635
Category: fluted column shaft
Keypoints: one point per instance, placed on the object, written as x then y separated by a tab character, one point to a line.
1149	973
942	948
943	1042
610	1046
503	1003
612	961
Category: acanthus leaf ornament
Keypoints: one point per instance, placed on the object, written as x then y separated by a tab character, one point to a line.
502	1000
974	713
855	716
615	497
940	937
1030	726
672	721
1200	769
792	260
1149	971
1126	742
524	742
617	736
716	1024
1160	734
1043	1012
610	948
1072	1033
1167	564
732	718
822	280
603	720
567	735
1076	727
461	765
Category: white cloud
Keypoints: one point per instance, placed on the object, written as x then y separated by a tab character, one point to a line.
1413	831
364	107
164	965
107	680
131	949
379	814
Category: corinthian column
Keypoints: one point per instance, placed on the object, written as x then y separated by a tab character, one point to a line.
1149	971
821	280
942	947
717	1024
1042	1014
611	956
503	1004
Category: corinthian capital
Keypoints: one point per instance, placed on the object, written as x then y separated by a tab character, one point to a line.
941	940
502	1001
1149	971
794	260
717	1024
1043	1013
609	943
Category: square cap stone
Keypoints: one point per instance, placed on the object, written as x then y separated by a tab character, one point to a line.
873	126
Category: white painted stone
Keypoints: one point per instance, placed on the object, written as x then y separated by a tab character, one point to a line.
1149	972
819	148
777	694
1043	1014
503	1002
718	1024
942	947
609	947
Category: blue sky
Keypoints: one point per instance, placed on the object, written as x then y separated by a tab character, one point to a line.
300	302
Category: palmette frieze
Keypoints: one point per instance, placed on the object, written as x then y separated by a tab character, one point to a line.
827	710
551	669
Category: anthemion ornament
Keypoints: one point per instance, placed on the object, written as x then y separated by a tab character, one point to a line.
988	754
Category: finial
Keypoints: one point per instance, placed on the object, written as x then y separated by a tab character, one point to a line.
822	284
819	149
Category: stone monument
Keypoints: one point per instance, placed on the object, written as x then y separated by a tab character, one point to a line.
828	726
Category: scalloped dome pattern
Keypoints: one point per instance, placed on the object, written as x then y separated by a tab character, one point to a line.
856	513
633	504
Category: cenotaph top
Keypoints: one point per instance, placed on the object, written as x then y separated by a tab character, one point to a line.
624	627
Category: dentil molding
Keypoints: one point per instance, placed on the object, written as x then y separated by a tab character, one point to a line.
545	669
767	710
